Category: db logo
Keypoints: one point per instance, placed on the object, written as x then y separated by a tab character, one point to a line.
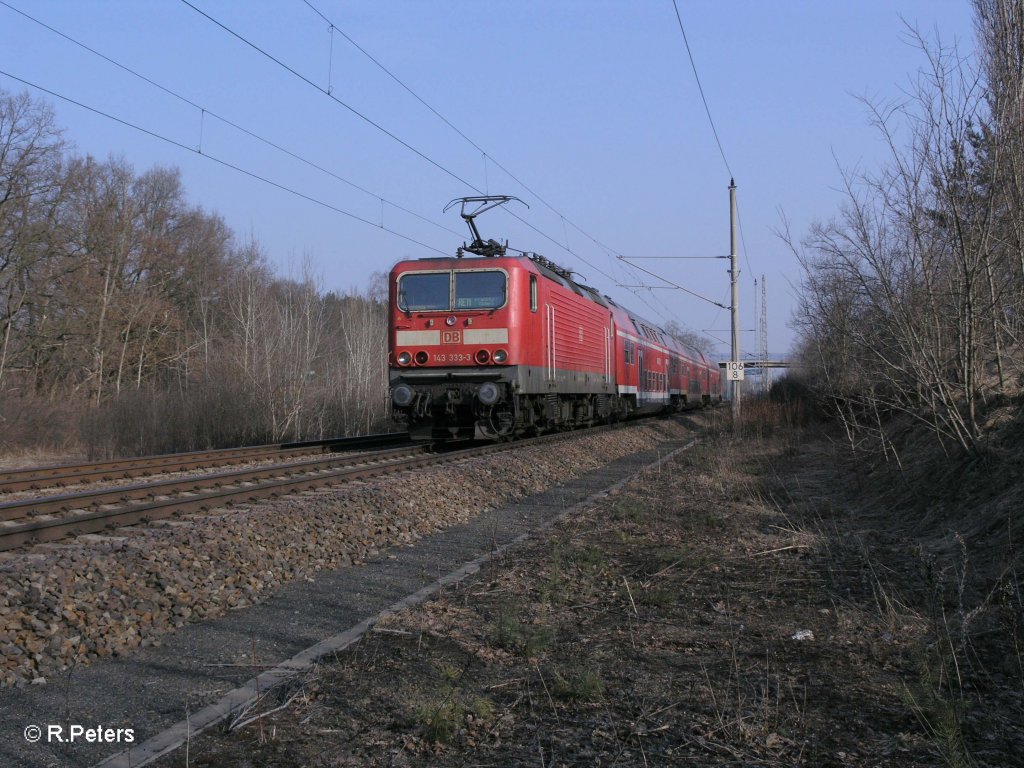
451	337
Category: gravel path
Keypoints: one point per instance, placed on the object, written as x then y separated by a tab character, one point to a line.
69	606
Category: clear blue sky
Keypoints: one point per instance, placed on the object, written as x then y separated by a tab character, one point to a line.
592	104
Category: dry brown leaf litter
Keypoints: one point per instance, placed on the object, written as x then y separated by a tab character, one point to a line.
660	628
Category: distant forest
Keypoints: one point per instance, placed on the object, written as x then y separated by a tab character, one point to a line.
913	295
133	322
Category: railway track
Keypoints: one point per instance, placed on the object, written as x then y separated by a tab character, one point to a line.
38	478
25	522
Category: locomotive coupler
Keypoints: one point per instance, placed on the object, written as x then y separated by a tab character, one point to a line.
453	399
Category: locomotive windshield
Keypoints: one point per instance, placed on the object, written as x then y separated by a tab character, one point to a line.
479	290
445	291
424	291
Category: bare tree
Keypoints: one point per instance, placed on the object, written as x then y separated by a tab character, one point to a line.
910	296
120	299
358	359
31	183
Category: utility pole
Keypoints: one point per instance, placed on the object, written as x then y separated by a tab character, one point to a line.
763	337
734	275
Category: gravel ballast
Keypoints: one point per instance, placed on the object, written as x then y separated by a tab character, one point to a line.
71	604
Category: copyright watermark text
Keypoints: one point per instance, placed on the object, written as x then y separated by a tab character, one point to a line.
71	734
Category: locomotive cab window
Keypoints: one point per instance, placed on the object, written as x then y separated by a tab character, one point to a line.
533	293
480	290
424	291
447	291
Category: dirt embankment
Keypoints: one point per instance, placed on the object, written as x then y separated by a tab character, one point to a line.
746	605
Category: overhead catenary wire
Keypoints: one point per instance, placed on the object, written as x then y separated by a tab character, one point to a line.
711	120
710	331
681	288
386	132
220	161
206	112
331	96
743	240
725	161
335	28
647	304
700	88
486	155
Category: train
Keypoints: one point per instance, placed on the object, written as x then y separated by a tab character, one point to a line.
497	345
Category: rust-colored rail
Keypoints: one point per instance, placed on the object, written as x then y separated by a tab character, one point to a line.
208	492
38	478
95	498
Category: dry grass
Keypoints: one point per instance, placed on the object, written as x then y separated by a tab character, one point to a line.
659	629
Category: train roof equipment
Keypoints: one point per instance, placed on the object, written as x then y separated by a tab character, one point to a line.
483	203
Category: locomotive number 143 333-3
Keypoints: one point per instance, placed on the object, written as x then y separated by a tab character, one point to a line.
452	357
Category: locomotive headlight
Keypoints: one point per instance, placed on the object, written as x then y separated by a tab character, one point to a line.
402	395
482	356
404	358
489	393
421	357
500	356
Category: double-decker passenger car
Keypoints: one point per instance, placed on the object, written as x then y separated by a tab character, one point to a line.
498	346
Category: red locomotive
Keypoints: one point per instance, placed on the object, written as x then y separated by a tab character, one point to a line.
502	345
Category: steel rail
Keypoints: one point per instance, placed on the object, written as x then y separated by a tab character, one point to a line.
92	499
36	478
93	521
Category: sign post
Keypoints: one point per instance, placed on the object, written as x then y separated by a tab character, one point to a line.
734	275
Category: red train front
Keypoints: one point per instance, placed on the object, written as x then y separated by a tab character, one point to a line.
501	344
497	346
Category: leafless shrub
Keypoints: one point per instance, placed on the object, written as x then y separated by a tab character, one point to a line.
913	295
38	423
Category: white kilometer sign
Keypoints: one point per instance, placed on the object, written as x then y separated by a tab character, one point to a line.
734	370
